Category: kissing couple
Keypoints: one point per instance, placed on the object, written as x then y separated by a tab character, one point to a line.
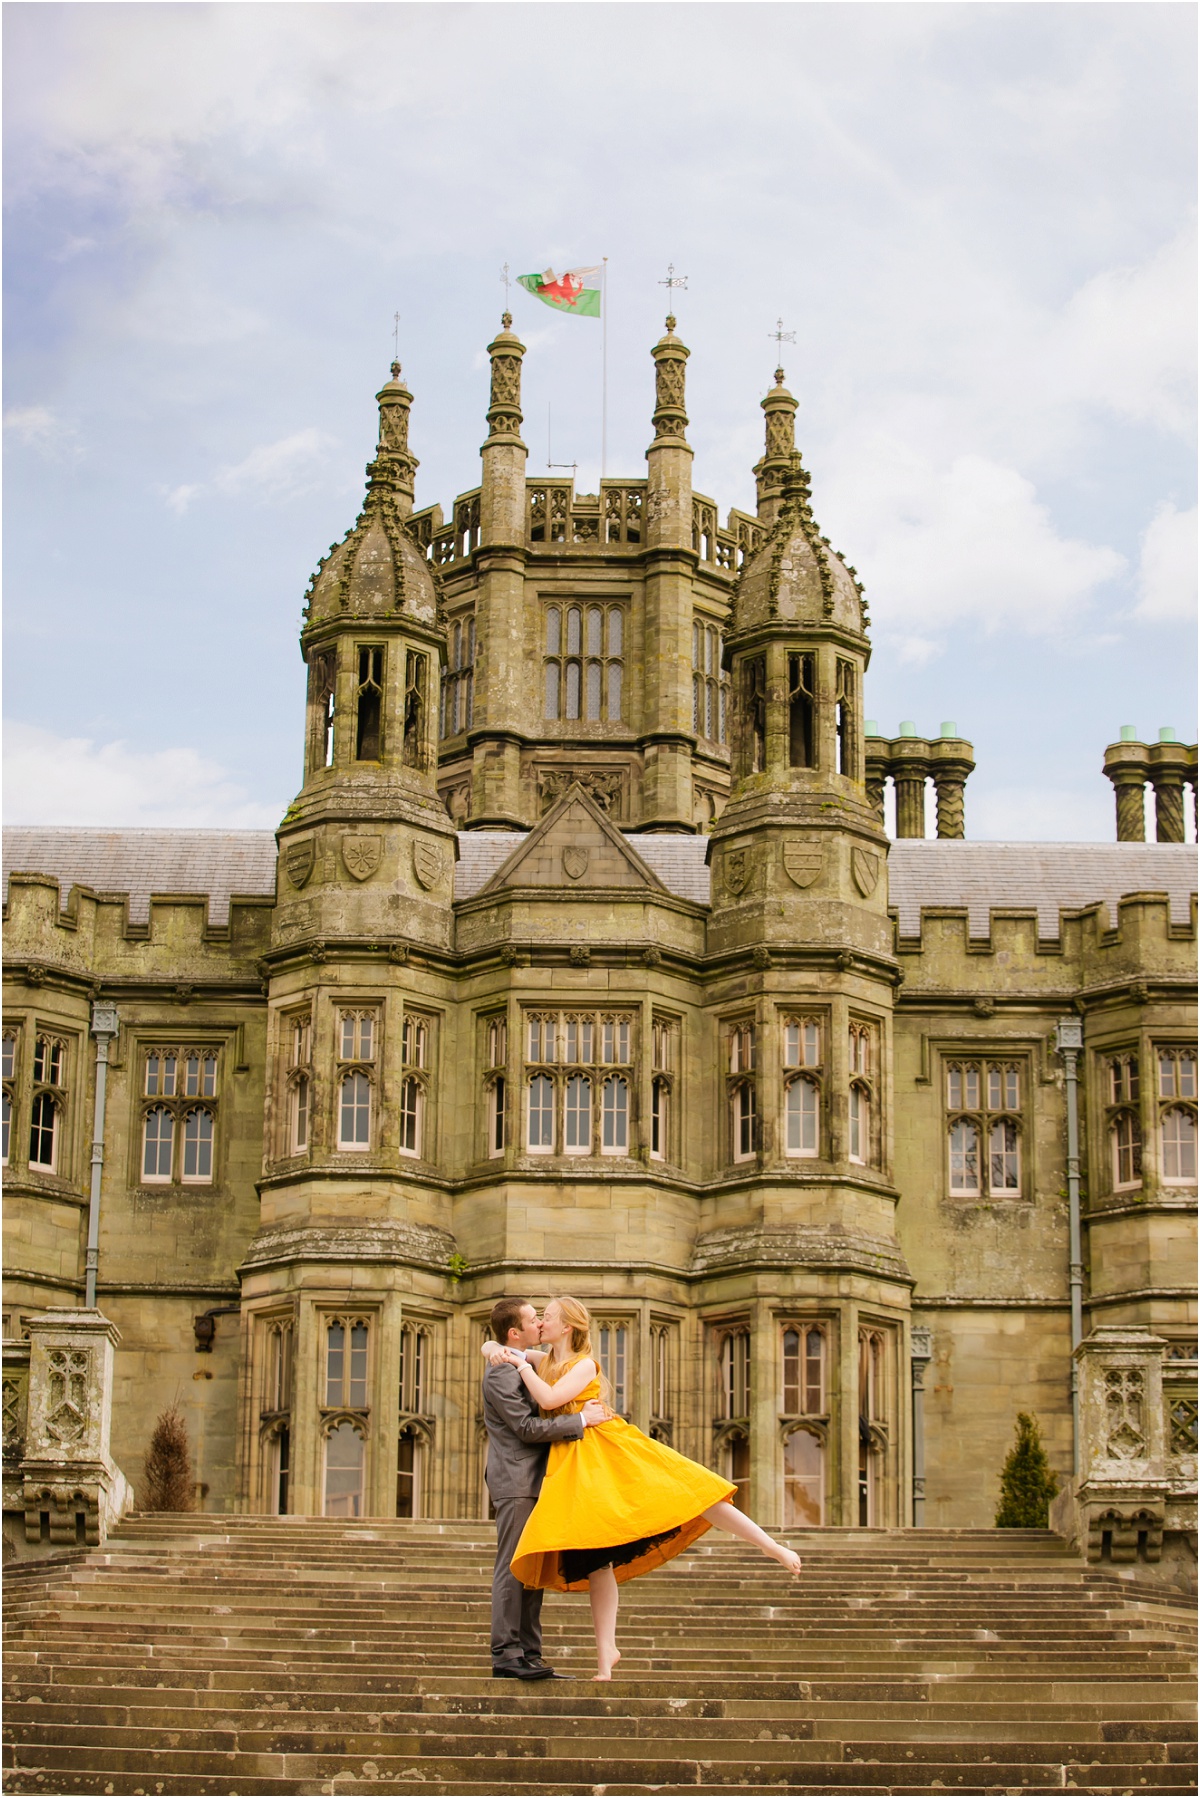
583	1500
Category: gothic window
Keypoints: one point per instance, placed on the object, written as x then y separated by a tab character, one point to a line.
8	1069
802	1091
279	1469
661	1087
497	1099
710	685
346	1364
495	1081
414	1370
847	720
1124	1123
583	663
594	1110
1176	1074
49	1100
345	1467
410	1466
277	1391
741	1048
458	681
984	1128
415	1057
803	1480
754	683
615	1116
368	706
743	1120
733	1363
872	1426
299	1081
1178	1132
354	1112
804	1370
412	1108
358	1035
801	1043
802	711
179	1136
614	1362
322	682
5	1125
414	709
861	1107
661	1382
358	1031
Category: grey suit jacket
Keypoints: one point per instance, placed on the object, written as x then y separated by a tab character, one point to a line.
519	1437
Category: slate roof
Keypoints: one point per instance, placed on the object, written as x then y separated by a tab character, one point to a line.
1048	877
219	863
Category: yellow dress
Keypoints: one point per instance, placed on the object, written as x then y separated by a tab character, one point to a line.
612	1489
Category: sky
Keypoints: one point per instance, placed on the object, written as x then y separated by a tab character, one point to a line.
977	220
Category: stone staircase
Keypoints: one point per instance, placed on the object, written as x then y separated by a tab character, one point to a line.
196	1655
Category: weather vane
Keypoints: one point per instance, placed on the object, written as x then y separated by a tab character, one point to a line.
507	284
781	336
395	337
673	280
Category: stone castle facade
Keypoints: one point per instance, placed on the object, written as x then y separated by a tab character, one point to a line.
582	962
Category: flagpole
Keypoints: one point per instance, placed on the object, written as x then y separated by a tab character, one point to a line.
603	367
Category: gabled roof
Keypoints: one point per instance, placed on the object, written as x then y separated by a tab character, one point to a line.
574	848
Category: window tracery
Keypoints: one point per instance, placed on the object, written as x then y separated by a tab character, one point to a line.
583	662
985	1127
710	683
580	1110
178	1136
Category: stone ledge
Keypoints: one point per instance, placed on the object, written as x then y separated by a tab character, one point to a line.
394	1244
723	1250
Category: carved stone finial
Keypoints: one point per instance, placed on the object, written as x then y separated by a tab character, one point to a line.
395	371
670	321
779	377
506	321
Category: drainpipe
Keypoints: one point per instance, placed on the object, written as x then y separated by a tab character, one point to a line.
920	1355
105	1023
1068	1039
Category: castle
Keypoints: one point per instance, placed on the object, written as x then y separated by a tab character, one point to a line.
582	962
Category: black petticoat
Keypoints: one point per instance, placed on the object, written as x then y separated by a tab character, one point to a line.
577	1564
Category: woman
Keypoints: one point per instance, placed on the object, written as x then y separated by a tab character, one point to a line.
614	1504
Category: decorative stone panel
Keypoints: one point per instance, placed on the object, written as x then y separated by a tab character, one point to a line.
67	1473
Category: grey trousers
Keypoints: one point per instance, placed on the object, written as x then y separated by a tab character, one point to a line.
516	1612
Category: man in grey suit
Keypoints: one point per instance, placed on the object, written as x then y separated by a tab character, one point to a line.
519	1439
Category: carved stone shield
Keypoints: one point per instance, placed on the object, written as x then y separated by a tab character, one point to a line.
803	862
361	855
737	869
427	863
575	861
298	859
864	865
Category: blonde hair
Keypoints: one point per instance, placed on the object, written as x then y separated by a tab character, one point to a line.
578	1320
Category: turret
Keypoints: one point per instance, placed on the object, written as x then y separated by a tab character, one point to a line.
771	473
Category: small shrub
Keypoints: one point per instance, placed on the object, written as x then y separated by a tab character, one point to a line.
1027	1483
167	1475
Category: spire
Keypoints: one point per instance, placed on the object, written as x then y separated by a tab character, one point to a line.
504	411
670	359
394	464
771	473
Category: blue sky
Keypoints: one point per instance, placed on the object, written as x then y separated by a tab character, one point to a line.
978	220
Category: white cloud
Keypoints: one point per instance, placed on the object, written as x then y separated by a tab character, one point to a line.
41	429
1166	582
271	474
49	779
964	543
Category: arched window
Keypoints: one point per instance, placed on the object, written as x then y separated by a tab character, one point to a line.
733	1361
345	1463
1176	1074
803	1107
43	1133
299	1114
1004	1157
354	1112
804	1371
198	1147
541	1115
496	1096
660	1119
346	1364
744	1118
860	1124
412	1108
1125	1134
8	1069
1179	1144
577	1137
614	1138
964	1158
803	1481
158	1142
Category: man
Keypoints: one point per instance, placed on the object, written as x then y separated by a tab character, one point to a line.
518	1446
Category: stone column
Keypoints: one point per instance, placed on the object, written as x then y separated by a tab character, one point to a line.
909	764
920	1355
68	1471
506	678
1125	765
952	762
1168	770
670	562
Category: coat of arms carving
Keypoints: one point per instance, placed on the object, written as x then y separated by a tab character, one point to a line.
427	863
864	865
298	859
361	855
803	862
737	867
574	861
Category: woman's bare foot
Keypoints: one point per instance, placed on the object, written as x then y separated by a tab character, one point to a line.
606	1660
787	1557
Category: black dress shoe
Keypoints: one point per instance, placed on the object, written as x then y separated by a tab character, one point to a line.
518	1670
544	1672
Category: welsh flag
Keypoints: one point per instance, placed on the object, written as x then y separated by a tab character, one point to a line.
576	290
